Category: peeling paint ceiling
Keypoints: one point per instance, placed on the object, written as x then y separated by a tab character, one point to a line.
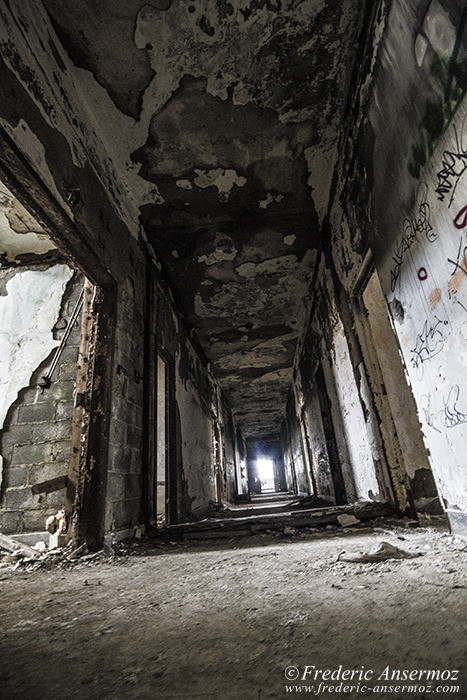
21	237
236	109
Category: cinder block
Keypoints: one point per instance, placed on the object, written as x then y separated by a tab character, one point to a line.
121	514
17	435
69	354
64	410
37	413
32	454
136	453
10	522
35	519
58	391
19	499
12	416
51	432
123	410
117	432
29	395
137	415
115	486
55	500
44	472
7	453
14	476
132	485
60	451
67	370
134	436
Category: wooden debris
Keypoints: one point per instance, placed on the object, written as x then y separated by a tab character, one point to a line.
76	552
60	482
12	545
216	527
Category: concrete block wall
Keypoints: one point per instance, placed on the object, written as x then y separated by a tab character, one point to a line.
124	476
35	440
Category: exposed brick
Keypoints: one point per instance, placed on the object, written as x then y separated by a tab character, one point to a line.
64	410
14	476
60	451
132	485
115	486
32	454
17	435
36	413
51	432
19	498
133	436
10	522
67	370
58	391
69	354
43	472
55	500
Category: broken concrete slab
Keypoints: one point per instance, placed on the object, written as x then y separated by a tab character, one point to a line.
12	545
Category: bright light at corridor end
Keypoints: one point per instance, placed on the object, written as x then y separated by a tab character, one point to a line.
265	468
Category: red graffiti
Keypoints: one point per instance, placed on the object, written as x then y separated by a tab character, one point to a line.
422	274
461	219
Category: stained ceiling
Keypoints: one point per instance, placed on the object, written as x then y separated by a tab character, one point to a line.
240	107
22	238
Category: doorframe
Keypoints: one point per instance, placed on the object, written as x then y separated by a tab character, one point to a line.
171	506
92	442
389	441
332	450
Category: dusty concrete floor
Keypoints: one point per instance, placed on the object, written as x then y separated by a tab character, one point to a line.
225	619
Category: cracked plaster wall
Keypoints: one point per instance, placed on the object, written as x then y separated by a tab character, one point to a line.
30	305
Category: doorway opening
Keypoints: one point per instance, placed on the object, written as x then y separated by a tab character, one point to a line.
420	482
161	442
165	482
330	438
265	475
58	306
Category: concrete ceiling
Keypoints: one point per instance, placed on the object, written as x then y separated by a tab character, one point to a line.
243	103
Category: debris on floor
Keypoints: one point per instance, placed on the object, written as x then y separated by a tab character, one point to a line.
168	619
12	545
385	551
347	520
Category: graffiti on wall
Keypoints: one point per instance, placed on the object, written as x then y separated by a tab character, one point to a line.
427	273
454	165
447	415
414	228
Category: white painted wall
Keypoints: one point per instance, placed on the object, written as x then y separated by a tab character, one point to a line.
362	454
427	274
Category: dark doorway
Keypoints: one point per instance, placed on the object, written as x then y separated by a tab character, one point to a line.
166	485
330	437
